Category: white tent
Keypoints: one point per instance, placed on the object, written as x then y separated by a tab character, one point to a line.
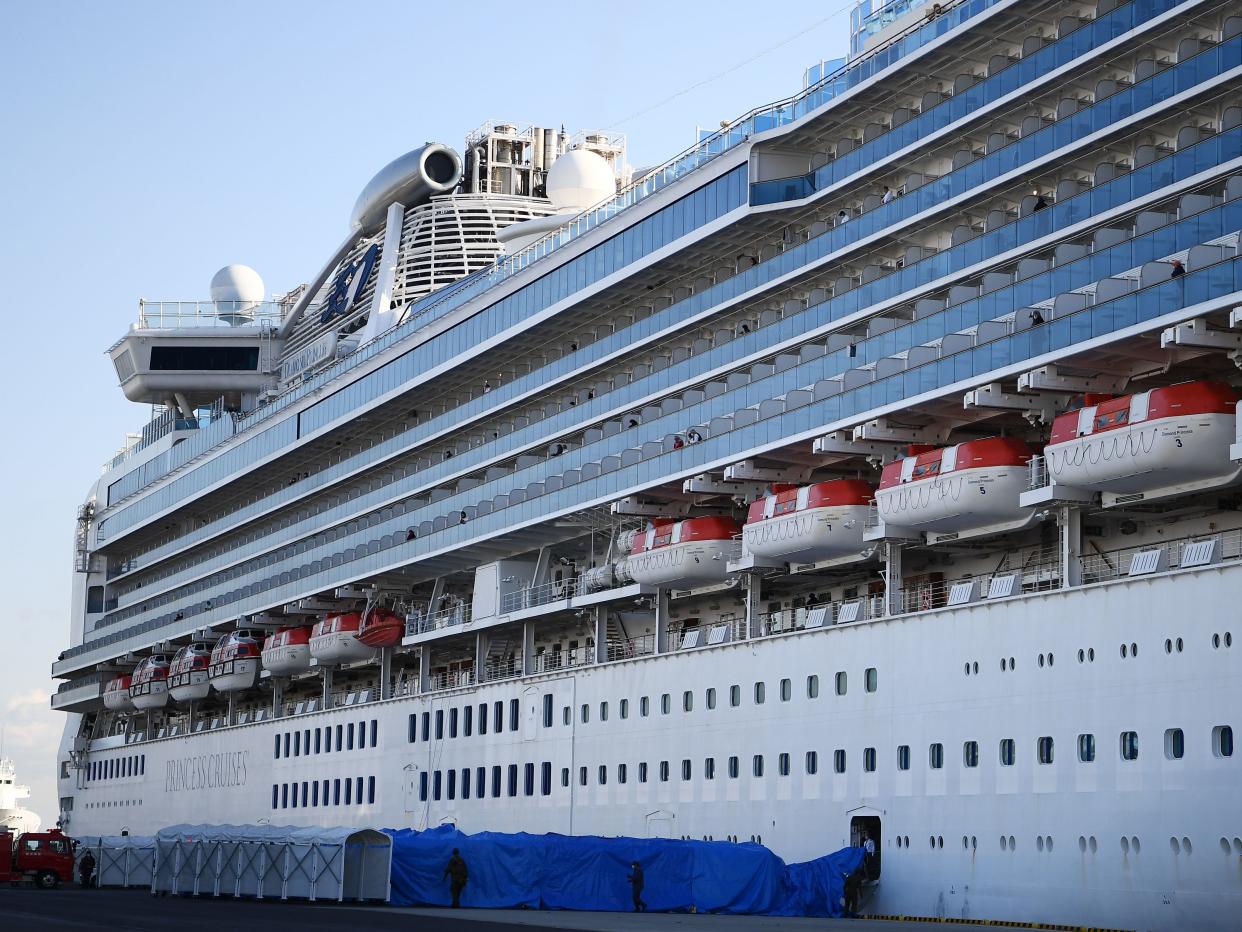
120	860
273	861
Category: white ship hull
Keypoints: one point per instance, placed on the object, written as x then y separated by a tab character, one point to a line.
809	535
684	566
1174	453
1064	817
232	675
189	687
962	500
153	695
339	647
283	661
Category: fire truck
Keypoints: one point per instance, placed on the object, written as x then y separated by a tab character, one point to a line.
42	858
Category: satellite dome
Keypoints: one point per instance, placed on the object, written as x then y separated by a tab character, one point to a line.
580	179
236	291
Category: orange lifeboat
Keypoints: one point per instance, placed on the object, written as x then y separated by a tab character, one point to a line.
148	688
1159	442
235	661
187	675
116	695
970	488
809	523
684	554
382	628
335	640
287	651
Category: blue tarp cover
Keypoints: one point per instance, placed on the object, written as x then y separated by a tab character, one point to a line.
589	873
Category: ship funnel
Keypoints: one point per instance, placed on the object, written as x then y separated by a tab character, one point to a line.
409	180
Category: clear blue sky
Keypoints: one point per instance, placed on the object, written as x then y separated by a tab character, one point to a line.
145	145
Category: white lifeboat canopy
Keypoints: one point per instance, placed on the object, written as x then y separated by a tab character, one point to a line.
148	687
684	554
187	674
965	490
235	661
287	651
335	640
1162	442
805	524
116	695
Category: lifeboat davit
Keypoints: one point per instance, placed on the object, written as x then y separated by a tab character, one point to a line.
235	661
287	651
335	640
382	628
1163	441
148	688
116	695
809	523
684	554
970	488
187	675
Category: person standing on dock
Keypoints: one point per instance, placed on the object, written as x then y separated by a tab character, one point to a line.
458	875
636	886
86	870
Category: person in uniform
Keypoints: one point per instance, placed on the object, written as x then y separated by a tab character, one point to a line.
636	886
458	875
86	870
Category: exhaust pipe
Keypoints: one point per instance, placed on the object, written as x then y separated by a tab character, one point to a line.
409	180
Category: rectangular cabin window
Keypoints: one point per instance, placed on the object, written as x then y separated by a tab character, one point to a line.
603	711
498	716
515	714
1043	749
666	704
564	776
687	701
664	771
566	715
1174	743
812	762
734	767
422	786
545	778
786	690
362	735
756	765
319	738
358	791
513	779
585	712
297	744
644	706
1086	748
642	772
1222	741
528	779
336	790
760	693
480	782
602	776
349	735
437	786
426	728
495	780
869	760
288	743
276	750
838	760
204	358
812	686
547	710
842	683
1007	754
482	718
735	696
624	708
871	679
453	723
622	773
710	698
685	769
452	784
709	768
465	780
582	775
467	720
439	728
275	794
374	731
970	754
782	764
370	790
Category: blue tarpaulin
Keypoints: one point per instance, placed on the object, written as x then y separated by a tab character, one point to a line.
589	873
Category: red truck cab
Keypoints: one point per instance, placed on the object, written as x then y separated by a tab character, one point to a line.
43	858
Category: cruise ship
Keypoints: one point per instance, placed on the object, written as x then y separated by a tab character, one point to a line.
871	466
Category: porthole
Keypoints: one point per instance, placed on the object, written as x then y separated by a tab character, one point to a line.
1082	655
1002	665
1124	651
1092	844
1039	843
1187	846
965	843
1133	649
1224	845
1228	639
1004	843
1082	843
1091	654
907	840
966	671
939	841
1134	844
931	841
1125	845
1215	641
1049	658
975	667
1040	661
1010	663
974	842
1179	645
1012	844
1048	843
1168	646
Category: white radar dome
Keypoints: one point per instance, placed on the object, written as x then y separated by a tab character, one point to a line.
580	179
236	290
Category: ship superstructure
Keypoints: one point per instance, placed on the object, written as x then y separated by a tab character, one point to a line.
871	466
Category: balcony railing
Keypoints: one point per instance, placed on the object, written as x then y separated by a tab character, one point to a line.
629	648
534	596
179	315
456	615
